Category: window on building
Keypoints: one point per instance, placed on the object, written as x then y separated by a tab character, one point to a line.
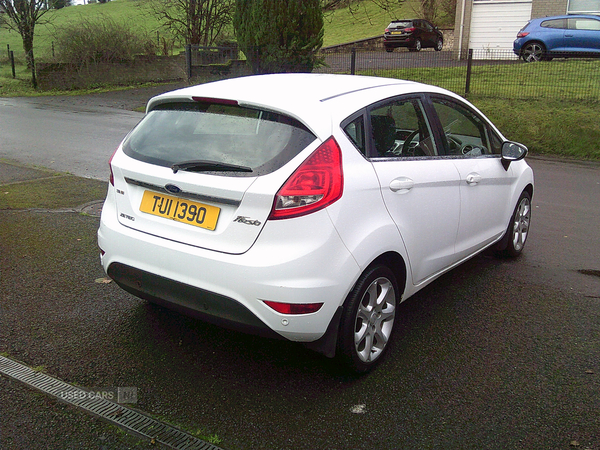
583	7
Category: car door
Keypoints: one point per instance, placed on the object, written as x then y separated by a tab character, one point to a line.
583	35
474	148
420	189
429	34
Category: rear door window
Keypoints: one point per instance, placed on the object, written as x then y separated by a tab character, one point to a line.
399	128
174	133
555	23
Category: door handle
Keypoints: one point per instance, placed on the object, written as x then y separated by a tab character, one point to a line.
401	185
473	179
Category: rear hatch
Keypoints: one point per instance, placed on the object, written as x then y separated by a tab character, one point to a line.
205	172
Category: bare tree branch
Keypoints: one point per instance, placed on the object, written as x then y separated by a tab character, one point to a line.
196	22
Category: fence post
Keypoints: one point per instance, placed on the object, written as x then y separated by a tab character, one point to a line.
353	61
12	63
469	65
188	60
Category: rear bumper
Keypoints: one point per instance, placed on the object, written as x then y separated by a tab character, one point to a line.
312	266
517	45
189	300
404	41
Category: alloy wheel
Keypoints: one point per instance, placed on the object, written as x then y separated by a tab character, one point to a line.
521	224
374	319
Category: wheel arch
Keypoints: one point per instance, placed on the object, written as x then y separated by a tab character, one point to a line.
529	189
395	262
533	41
501	245
327	344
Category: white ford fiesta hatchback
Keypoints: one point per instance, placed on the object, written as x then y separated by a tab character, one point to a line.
308	206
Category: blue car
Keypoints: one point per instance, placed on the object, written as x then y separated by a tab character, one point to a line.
560	36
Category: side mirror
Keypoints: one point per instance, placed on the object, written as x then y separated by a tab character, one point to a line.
512	151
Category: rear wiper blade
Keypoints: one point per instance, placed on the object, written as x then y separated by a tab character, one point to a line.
208	166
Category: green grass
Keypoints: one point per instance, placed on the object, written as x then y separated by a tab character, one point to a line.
126	11
56	191
566	129
565	79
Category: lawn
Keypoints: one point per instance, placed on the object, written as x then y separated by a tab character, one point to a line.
122	11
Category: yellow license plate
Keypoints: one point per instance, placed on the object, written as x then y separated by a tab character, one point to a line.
181	210
397	32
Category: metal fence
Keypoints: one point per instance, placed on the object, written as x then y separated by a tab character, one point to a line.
481	73
475	73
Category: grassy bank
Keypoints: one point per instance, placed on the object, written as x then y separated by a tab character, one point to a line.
566	129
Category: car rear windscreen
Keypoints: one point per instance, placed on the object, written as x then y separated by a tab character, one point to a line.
406	24
173	133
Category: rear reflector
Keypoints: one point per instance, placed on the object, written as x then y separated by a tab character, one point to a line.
294	308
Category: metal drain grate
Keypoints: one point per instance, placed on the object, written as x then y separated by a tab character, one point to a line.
106	409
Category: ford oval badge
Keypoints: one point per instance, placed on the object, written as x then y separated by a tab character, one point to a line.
173	189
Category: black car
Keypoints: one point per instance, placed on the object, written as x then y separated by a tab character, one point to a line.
414	34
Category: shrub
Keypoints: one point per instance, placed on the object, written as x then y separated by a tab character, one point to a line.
101	40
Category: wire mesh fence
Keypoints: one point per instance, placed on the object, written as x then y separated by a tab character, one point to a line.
472	73
482	73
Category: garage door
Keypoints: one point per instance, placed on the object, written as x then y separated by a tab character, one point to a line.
495	24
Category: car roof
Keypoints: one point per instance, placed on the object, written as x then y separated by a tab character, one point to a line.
314	99
567	16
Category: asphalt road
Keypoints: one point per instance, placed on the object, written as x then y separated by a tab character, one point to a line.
78	140
497	354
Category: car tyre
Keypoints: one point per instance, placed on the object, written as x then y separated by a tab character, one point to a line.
417	46
518	229
533	52
389	49
368	319
439	45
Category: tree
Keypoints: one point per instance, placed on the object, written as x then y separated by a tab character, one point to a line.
23	16
279	36
59	4
196	22
433	10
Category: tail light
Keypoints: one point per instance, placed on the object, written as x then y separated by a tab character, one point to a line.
111	178
387	30
410	30
316	184
522	34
